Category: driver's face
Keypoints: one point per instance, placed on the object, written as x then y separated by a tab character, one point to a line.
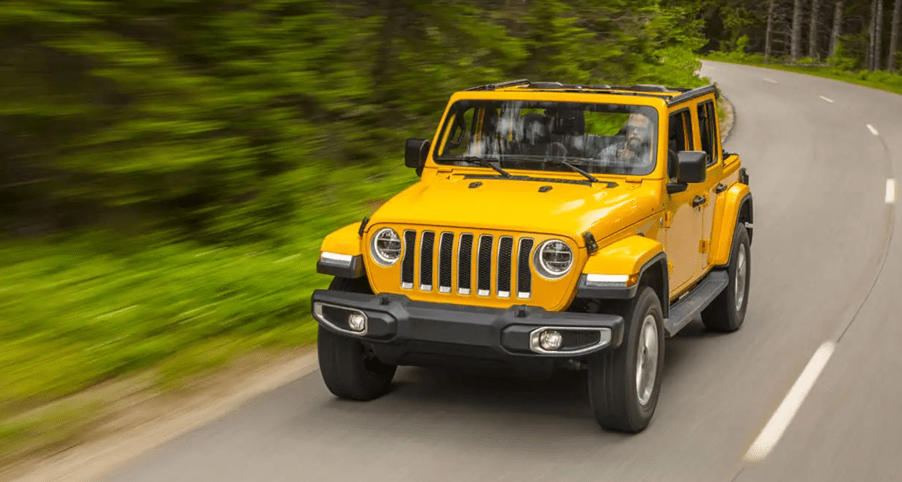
637	130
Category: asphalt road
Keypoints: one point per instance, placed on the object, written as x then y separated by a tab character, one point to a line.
825	269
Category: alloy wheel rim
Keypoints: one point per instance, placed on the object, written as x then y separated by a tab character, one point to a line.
647	360
740	278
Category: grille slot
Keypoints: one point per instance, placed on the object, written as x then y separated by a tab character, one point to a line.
410	241
464	263
484	270
524	276
429	257
426	252
446	246
505	252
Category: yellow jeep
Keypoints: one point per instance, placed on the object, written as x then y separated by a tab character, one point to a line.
553	226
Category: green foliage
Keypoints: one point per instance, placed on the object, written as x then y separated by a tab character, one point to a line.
841	60
216	122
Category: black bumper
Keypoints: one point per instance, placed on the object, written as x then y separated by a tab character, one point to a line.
396	324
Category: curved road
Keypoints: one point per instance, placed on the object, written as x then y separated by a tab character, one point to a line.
826	272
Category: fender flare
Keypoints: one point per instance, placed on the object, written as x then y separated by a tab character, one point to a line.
620	258
343	241
731	204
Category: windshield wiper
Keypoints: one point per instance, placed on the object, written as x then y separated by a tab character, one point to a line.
485	163
588	176
584	173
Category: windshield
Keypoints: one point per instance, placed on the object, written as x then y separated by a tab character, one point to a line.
538	135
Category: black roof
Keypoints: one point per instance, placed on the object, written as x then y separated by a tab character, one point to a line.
671	95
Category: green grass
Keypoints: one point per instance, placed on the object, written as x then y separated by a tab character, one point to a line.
882	80
86	308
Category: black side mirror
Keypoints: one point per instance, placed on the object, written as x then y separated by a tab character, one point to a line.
692	167
415	152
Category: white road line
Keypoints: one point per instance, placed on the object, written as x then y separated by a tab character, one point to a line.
873	131
890	191
777	424
826	99
772	81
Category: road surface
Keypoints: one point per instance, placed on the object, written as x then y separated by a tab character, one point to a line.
826	280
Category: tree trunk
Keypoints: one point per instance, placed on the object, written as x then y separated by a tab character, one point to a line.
770	30
878	35
894	36
796	47
812	32
871	43
837	29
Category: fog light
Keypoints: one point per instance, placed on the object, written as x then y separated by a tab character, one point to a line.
550	340
357	321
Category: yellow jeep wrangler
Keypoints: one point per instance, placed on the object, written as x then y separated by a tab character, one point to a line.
553	226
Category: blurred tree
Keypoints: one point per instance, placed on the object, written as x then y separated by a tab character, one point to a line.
796	47
894	35
225	120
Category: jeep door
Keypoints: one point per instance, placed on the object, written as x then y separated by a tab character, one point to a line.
709	141
684	221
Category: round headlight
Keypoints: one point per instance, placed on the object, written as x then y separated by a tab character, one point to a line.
554	258
386	247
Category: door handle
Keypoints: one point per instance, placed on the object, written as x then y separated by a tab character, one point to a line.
699	200
721	187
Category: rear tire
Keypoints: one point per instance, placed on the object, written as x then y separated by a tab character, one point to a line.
348	370
624	383
727	312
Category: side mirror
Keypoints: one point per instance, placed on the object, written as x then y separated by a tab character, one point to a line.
415	152
692	167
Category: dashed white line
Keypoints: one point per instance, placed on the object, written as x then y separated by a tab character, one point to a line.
873	131
826	99
777	424
890	191
772	81
8	288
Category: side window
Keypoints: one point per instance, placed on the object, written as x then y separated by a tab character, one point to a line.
708	130
679	138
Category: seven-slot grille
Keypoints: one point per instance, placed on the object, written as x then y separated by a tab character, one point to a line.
504	256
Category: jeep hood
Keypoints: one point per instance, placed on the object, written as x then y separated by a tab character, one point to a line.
519	206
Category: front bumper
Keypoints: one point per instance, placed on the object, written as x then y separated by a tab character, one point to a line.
395	323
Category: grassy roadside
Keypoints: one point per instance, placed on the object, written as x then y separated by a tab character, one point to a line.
93	309
83	318
891	82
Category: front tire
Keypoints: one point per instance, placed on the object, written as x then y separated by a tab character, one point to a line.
348	369
727	312
624	383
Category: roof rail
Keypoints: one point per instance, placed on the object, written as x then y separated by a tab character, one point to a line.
499	85
548	85
650	88
696	92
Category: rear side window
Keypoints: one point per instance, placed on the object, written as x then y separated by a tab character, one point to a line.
707	124
680	132
679	138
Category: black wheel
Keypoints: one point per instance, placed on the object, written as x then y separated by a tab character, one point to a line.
727	312
624	383
348	370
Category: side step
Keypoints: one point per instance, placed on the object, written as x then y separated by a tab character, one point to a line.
691	305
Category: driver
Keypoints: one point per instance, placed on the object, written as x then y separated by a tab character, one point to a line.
634	149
